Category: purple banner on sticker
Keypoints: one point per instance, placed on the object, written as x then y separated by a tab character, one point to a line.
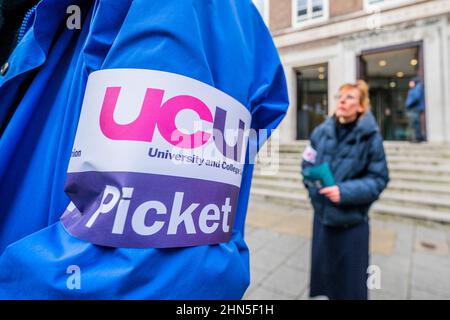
142	210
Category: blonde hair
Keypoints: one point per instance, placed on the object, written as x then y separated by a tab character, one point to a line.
363	89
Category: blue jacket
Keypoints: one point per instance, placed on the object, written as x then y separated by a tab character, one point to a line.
358	164
416	98
223	44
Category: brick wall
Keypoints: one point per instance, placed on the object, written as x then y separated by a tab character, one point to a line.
280	11
341	7
280	14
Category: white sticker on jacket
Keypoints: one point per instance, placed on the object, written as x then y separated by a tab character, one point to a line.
309	155
157	161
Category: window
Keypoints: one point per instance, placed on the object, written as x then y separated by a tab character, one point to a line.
317	8
383	4
372	2
310	11
302	10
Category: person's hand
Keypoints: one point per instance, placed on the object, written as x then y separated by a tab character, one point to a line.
333	193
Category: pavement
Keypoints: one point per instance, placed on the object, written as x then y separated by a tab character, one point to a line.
410	258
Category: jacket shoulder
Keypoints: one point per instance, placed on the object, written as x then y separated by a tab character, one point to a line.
376	146
318	132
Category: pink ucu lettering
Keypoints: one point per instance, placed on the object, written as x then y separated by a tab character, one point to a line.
154	114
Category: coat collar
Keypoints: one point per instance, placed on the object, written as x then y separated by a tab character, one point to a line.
366	126
32	50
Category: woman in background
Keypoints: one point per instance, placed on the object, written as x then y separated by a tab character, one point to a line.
351	144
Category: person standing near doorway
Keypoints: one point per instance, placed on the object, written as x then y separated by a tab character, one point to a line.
415	105
350	143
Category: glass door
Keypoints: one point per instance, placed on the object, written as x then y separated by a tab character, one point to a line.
312	98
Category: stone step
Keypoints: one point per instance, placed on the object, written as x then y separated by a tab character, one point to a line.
414	198
404	177
301	200
395	176
425	201
419	187
414	173
419	159
289	160
391	157
387	145
420	169
427	190
417	170
442	151
416	213
411	199
423	187
406	155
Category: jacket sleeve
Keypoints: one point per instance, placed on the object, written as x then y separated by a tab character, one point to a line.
313	144
367	189
306	164
413	98
194	39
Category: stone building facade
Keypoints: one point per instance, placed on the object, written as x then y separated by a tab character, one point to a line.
325	43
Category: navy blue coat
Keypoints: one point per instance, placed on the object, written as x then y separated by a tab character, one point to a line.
359	167
340	244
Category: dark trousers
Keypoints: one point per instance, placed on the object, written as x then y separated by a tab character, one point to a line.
416	124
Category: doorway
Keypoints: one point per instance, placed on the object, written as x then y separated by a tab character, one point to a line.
312	98
388	72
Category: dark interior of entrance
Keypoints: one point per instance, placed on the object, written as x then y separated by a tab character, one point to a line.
312	98
388	74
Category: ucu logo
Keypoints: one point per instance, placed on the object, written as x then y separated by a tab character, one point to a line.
156	114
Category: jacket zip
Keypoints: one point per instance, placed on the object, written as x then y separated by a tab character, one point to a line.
25	23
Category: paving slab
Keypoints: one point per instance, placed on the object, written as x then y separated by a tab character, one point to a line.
413	255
